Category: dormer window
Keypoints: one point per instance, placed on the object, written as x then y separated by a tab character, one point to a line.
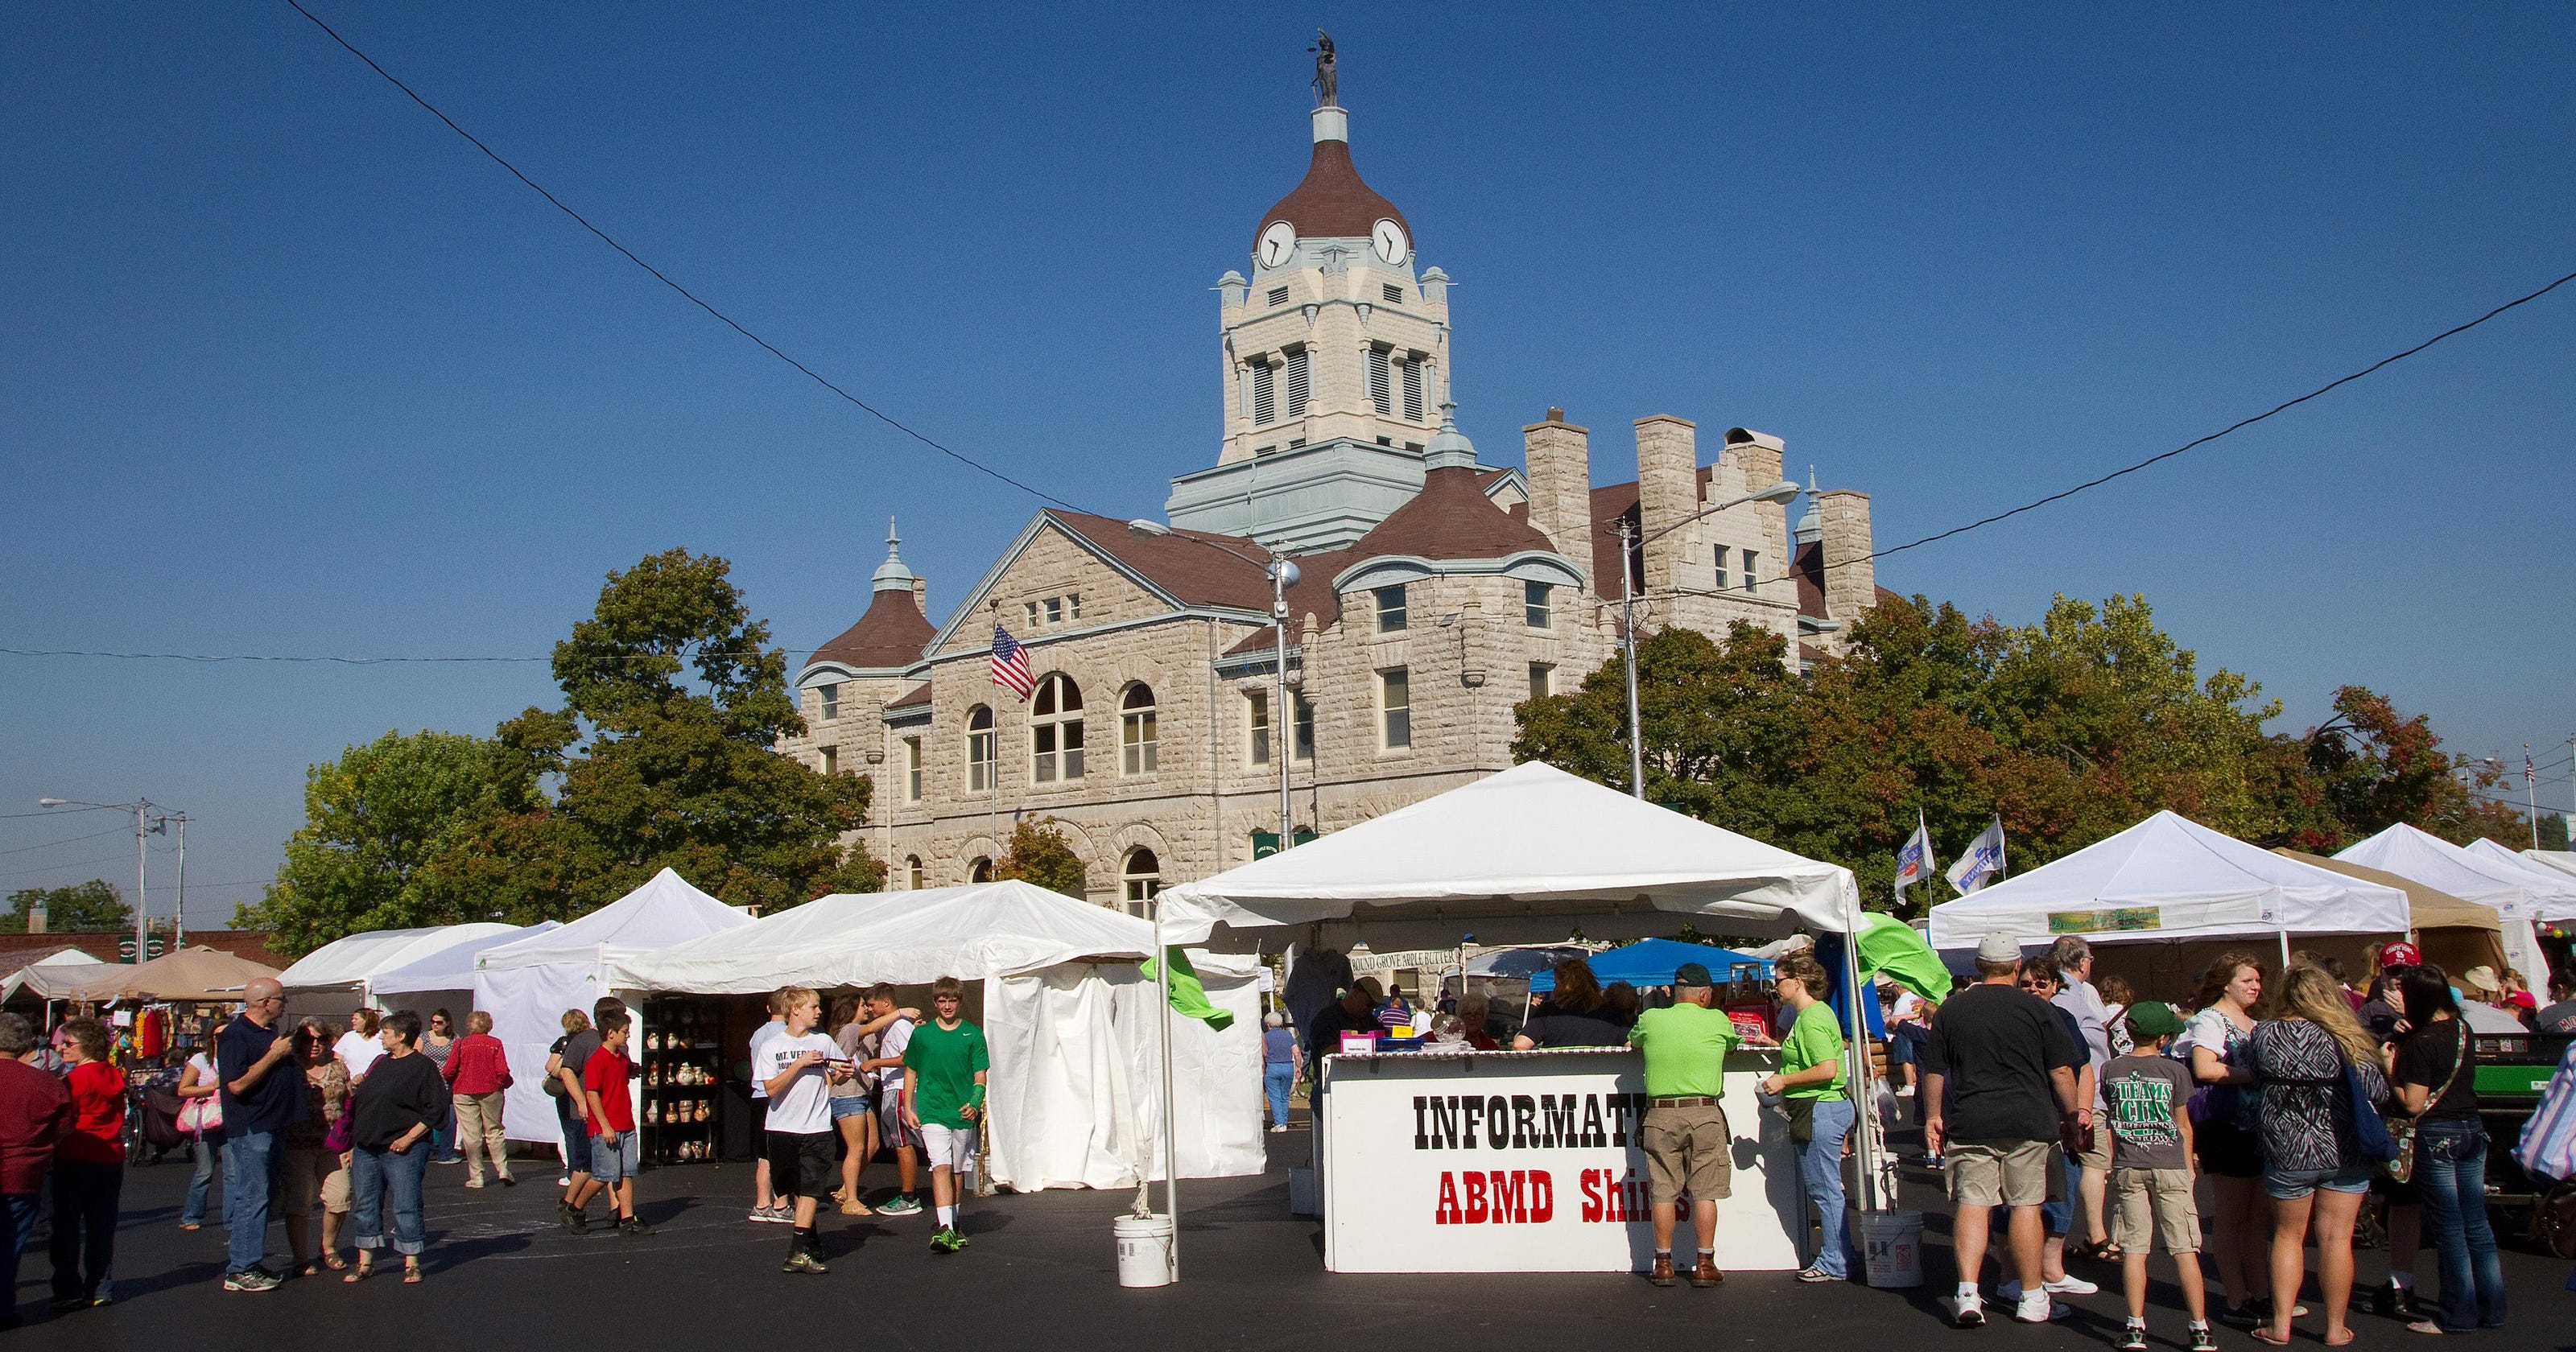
830	695
1390	608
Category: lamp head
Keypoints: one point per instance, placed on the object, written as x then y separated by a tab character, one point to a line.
51	802
1286	572
1141	526
1779	492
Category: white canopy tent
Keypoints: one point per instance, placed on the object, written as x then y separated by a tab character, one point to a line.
1517	857
446	977
348	965
2170	878
2519	892
527	983
52	976
2557	903
1074	1090
2561	861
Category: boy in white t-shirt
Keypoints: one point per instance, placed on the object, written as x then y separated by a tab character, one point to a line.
766	1203
885	1062
796	1071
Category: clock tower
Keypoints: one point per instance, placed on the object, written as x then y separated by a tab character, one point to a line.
1335	356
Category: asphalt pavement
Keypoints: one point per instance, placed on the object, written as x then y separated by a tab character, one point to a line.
1041	1272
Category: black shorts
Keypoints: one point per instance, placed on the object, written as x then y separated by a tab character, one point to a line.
2226	1152
801	1164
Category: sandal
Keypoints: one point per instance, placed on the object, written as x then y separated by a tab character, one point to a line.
411	1274
335	1262
2262	1333
363	1271
2425	1326
2108	1251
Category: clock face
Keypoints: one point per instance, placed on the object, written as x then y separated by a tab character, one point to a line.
1277	243
1388	238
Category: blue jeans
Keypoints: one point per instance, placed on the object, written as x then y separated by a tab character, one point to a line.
1820	1181
252	1164
1277	1078
442	1137
205	1153
17	1231
85	1198
2451	1176
374	1177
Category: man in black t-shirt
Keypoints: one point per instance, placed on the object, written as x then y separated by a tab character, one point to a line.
262	1096
1355	1011
1999	1073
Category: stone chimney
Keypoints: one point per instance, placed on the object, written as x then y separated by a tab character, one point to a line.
1758	455
36	917
921	595
1559	457
1851	580
1667	493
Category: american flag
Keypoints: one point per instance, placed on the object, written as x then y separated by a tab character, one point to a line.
1011	663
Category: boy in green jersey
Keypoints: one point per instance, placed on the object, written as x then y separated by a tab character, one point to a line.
945	1065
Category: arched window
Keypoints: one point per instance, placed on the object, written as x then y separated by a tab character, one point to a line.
980	871
1136	730
979	749
1142	876
1055	730
912	872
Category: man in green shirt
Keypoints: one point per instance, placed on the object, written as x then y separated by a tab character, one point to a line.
1685	1137
944	1067
1810	1083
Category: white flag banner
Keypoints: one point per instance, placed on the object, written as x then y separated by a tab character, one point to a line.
1983	862
1914	862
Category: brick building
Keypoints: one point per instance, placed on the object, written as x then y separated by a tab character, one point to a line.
1435	591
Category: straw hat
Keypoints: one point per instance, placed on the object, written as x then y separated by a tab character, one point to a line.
2482	979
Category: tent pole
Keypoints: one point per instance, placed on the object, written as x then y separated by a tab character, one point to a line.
1855	1051
1171	1109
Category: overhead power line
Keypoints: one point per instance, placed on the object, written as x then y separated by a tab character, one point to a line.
49	844
665	279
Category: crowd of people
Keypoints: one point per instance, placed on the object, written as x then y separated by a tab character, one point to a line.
2294	1094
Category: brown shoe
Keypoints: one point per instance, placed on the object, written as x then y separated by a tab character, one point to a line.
1706	1274
1663	1272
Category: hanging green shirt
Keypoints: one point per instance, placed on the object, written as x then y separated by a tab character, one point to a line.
1814	1038
1685	1048
941	1063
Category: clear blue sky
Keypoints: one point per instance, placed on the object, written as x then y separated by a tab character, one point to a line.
288	368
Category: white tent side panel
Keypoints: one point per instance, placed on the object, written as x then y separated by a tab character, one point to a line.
1215	1075
1063	1113
527	1005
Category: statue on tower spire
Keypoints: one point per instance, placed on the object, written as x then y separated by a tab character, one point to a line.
1327	77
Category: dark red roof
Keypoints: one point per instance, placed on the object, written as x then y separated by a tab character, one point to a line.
1451	518
891	634
1609	503
1197	567
1809	569
1331	202
919	694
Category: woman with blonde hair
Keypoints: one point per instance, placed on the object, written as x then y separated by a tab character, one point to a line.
2228	1152
2313	1166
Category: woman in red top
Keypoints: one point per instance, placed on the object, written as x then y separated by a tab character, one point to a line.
89	1171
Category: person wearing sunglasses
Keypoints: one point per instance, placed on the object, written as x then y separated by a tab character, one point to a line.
260	1101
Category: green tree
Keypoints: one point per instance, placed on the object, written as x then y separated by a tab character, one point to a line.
2379	766
666	752
1039	854
388	827
93	905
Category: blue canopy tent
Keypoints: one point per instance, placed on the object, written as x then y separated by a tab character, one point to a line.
1651	962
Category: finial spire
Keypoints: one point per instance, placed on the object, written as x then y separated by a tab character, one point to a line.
891	575
1449	448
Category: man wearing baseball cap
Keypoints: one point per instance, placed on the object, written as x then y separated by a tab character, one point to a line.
1999	1074
1684	1133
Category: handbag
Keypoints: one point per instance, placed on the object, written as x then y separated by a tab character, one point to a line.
199	1116
2401	1156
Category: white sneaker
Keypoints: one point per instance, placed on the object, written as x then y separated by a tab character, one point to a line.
2069	1285
1969	1312
2037	1308
1279	1129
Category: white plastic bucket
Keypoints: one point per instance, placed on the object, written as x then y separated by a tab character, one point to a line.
1144	1250
1891	1246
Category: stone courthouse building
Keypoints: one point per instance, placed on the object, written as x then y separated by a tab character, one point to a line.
1436	591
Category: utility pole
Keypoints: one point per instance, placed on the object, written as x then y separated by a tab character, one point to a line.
2531	794
179	916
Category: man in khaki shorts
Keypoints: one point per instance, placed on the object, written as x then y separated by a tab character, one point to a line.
1684	1133
1999	1072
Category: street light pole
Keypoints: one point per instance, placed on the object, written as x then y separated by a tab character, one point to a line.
141	808
179	912
1283	717
1776	493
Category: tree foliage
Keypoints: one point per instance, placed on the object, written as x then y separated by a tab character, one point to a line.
662	755
2070	729
93	905
1038	853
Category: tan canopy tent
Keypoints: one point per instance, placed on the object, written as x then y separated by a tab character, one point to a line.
2454	934
193	973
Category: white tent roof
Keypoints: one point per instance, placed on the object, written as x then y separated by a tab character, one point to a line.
352	960
2169	877
1530	844
971	932
50	976
450	968
2516	891
2558	898
666	910
2564	861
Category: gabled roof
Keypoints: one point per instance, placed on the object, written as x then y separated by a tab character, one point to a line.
1192	567
890	635
1312	594
919	694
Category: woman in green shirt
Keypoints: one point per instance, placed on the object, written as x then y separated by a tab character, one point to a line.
1810	1082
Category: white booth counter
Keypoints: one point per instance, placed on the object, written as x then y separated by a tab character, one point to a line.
1453	1160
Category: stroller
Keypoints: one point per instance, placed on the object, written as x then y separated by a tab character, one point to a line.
152	1106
